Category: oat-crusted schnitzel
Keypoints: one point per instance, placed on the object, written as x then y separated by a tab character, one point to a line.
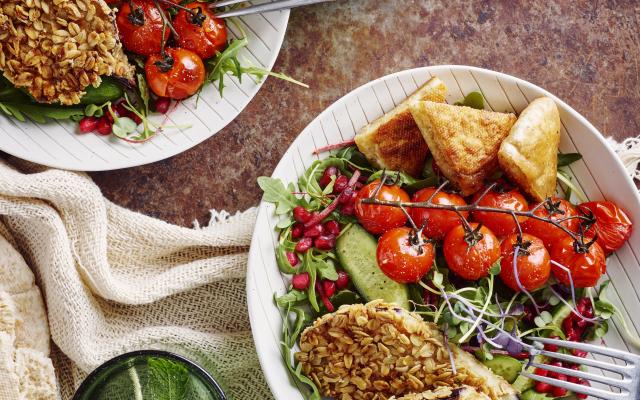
54	49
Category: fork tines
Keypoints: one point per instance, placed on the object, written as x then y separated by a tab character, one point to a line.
628	383
259	8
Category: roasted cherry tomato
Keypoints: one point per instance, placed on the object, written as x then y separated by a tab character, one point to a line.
470	255
177	74
557	209
140	26
401	257
532	262
612	225
436	222
379	219
500	224
200	30
586	262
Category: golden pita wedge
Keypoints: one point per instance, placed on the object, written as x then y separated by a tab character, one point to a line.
394	141
529	155
464	141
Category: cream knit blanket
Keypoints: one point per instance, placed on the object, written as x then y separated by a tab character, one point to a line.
115	281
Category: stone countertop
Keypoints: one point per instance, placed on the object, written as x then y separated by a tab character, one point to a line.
585	52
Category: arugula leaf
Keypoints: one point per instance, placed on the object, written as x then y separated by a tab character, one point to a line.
291	298
168	379
473	100
275	192
39	112
565	159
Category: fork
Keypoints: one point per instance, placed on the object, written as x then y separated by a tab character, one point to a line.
629	383
260	8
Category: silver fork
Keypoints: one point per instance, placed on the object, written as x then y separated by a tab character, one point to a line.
260	8
629	383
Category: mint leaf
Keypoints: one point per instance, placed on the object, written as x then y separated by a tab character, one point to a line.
276	193
168	379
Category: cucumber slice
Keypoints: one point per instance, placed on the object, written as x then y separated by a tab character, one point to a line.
560	312
507	367
356	250
522	383
533	395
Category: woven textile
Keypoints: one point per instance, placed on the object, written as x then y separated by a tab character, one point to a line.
115	281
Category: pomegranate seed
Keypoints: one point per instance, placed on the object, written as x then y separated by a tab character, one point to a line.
343	280
579	353
300	281
348	209
297	231
292	258
325	179
332	227
304	245
541	372
340	184
347	196
542	387
551	347
358	186
582	395
88	124
573	379
162	105
313	231
120	110
558	391
329	287
104	126
301	214
582	323
327	303
326	242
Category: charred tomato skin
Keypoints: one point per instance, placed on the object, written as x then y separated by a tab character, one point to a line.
140	26
501	224
545	231
471	262
182	79
378	219
437	223
205	35
402	260
612	225
586	266
533	262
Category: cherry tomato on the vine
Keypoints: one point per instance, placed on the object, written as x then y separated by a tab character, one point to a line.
470	255
200	31
557	209
177	74
401	257
532	263
437	223
379	219
501	224
612	225
586	262
140	26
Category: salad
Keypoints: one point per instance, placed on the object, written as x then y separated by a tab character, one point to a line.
110	65
491	268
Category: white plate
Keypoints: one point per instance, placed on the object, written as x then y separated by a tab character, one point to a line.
58	145
600	175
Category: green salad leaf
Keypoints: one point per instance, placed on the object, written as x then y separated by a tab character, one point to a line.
565	159
275	192
473	100
39	112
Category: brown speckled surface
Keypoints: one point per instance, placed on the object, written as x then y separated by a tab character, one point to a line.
586	52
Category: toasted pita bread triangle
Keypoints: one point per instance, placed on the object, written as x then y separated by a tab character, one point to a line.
529	155
464	141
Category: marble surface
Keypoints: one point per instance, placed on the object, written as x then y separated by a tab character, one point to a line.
586	52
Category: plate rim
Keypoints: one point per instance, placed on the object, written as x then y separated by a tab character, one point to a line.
250	284
130	163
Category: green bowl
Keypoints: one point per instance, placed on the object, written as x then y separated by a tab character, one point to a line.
149	375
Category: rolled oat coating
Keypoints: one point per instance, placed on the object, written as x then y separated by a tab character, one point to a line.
56	48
